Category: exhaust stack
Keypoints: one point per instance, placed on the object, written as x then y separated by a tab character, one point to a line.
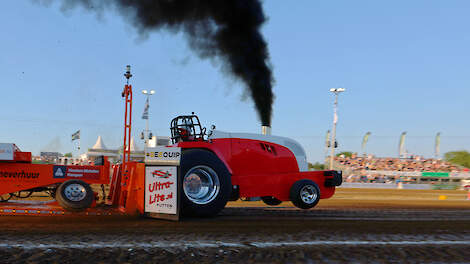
266	130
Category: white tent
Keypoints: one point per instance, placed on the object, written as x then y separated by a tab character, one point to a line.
99	145
100	149
134	147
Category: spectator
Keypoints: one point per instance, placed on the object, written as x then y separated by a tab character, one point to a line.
359	165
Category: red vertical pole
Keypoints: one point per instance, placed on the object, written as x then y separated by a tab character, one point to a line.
127	124
124	146
126	153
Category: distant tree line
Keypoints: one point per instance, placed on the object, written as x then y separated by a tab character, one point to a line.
321	166
316	166
461	158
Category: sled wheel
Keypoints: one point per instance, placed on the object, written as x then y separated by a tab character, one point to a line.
205	182
305	194
74	195
269	200
5	197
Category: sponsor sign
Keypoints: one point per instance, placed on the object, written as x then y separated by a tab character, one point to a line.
418	174
393	173
435	174
6	151
161	190
163	156
463	175
59	171
77	172
19	175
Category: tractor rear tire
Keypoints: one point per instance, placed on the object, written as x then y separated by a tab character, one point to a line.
206	184
305	194
74	195
270	200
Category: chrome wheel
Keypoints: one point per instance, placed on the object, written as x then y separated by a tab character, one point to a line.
201	184
75	192
308	194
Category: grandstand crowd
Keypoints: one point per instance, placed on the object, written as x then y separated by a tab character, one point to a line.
360	169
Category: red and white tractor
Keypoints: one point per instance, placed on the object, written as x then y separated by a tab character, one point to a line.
219	166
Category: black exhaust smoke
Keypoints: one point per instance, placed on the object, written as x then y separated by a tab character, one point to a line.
226	29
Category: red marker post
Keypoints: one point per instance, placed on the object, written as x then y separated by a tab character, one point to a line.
467	187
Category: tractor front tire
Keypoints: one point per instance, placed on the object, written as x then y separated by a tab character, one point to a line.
74	195
305	194
206	183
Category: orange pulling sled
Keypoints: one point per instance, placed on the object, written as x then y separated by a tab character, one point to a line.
70	185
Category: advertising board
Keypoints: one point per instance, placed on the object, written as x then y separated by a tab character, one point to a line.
163	156
161	182
161	192
77	172
435	174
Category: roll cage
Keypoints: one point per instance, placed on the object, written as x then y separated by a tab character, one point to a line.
187	128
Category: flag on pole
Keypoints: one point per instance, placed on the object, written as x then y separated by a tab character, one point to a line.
437	149
401	145
76	135
145	115
364	141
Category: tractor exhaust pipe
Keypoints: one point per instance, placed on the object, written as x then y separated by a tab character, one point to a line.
266	130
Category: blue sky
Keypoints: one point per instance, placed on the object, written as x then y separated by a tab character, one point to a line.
405	65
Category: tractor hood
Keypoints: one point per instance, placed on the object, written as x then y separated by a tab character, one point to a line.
291	144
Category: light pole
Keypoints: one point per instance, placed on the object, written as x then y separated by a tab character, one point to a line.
336	91
145	115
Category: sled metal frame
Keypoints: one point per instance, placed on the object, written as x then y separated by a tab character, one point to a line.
127	179
123	199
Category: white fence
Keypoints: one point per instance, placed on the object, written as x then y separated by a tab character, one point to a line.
416	186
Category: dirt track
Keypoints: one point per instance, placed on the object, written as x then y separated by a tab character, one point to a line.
353	227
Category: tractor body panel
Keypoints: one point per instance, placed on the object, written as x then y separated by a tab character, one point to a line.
261	168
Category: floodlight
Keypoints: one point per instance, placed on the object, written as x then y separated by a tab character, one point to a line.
337	90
